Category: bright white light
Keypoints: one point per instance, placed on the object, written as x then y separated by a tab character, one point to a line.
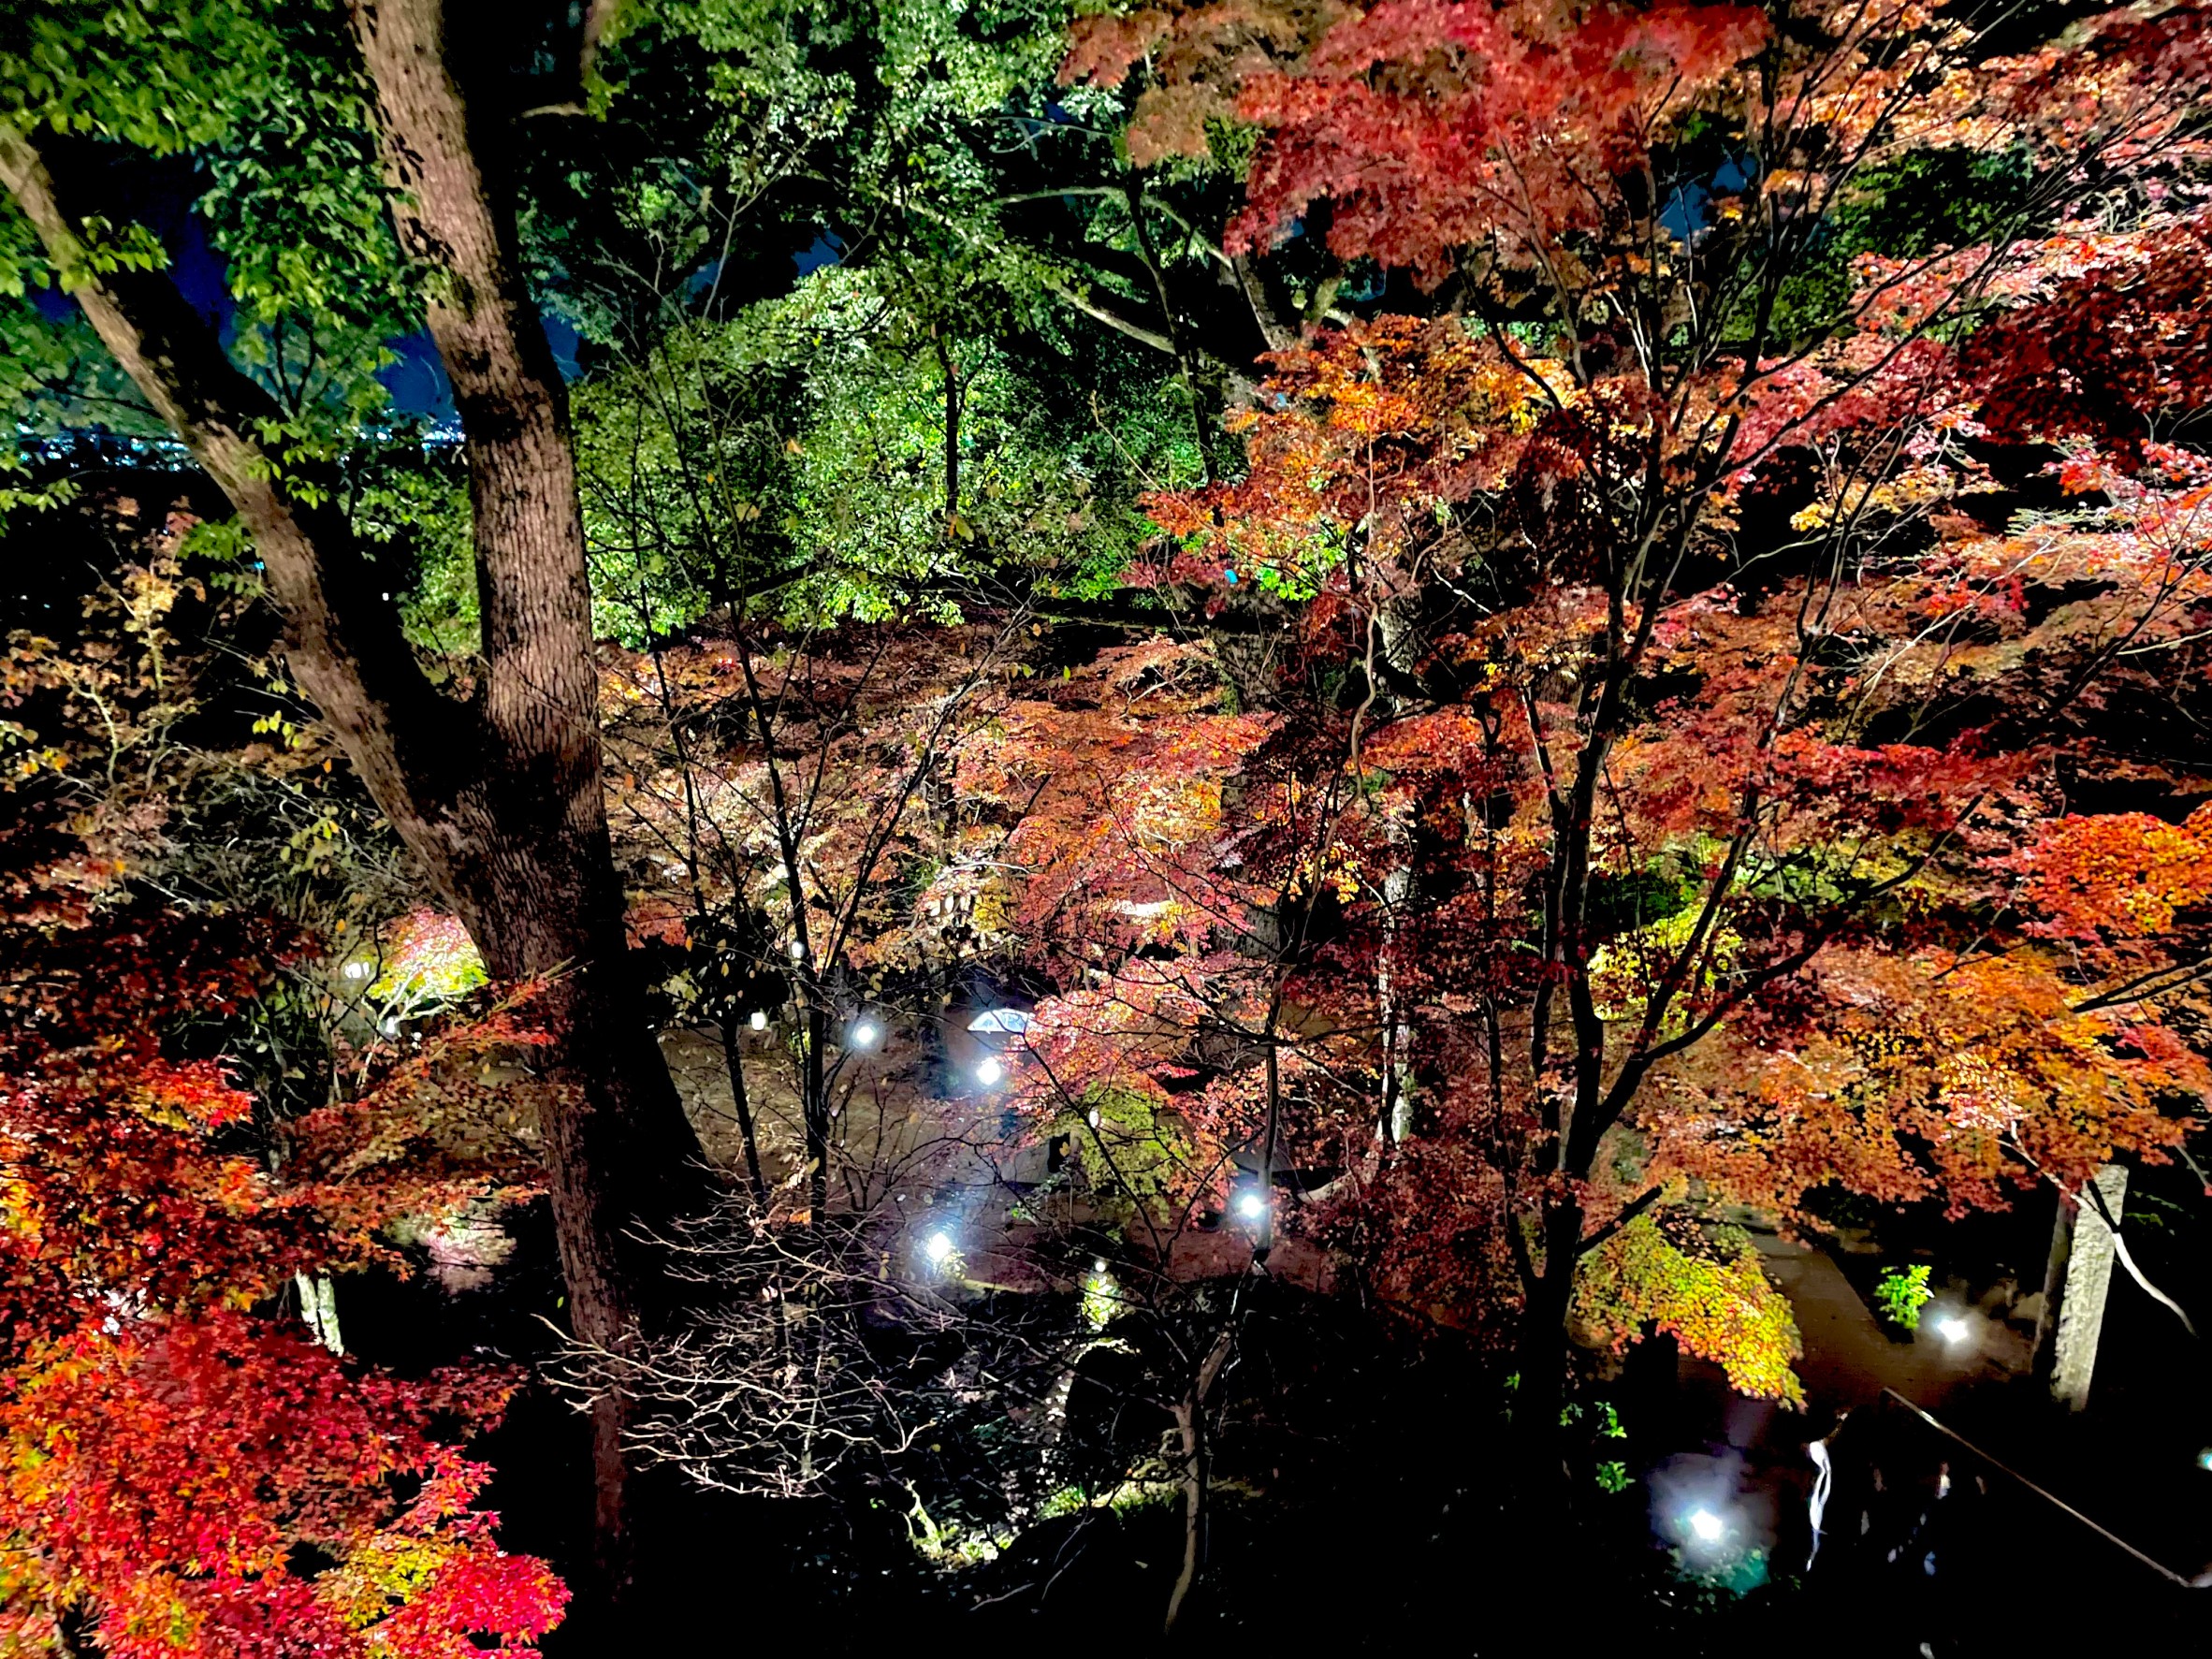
760	1019
938	1247
798	950
1094	1117
1251	1206
989	1072
1954	1329
1707	1526
357	970
865	1034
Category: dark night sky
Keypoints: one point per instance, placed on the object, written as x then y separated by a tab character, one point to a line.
160	199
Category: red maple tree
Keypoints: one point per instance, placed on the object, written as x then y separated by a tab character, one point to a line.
1727	637
182	1471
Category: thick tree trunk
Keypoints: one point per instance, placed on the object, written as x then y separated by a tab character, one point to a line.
1543	1344
533	869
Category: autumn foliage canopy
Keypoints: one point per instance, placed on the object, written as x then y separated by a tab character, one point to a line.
1746	783
183	1469
1679	707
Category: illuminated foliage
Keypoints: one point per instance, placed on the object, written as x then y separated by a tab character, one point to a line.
181	1472
1904	1292
1712	1298
1717	616
168	1481
430	961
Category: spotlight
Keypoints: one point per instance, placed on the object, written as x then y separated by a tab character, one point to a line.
938	1247
989	1072
865	1034
1706	1526
1953	1329
759	1020
1250	1205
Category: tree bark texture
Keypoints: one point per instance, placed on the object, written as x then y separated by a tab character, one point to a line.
526	839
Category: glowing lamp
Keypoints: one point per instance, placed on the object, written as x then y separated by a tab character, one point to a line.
760	1019
1953	1330
989	1072
1250	1205
1706	1527
865	1034
938	1247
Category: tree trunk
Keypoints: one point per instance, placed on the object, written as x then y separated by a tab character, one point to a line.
318	1308
951	373
734	1062
814	1109
531	865
1190	1428
1543	1351
1395	1122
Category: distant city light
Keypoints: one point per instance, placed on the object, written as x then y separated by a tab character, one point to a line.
760	1019
865	1034
1954	1330
1250	1205
1706	1526
989	1072
938	1247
